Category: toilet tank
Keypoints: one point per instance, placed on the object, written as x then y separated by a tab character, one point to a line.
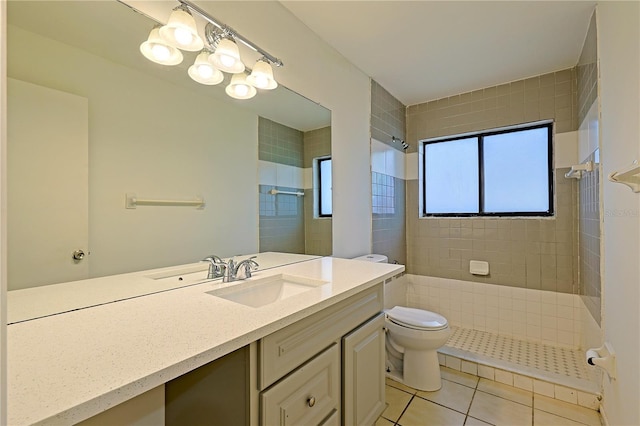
377	258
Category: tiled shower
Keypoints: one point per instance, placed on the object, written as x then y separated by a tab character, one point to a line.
545	272
287	222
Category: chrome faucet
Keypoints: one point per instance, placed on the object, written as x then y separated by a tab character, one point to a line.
233	268
217	266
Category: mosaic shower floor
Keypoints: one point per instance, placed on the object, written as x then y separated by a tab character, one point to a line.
545	362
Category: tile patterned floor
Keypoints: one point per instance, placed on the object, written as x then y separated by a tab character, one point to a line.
467	400
546	358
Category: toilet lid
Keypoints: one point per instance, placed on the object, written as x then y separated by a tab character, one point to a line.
417	318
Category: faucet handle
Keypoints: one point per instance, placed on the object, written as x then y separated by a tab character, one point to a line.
250	265
214	258
216	266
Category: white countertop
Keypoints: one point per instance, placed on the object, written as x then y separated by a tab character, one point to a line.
65	368
36	302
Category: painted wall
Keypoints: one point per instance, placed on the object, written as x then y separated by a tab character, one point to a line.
619	49
136	147
3	214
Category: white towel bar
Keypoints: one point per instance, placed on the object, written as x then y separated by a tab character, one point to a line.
276	192
577	171
132	202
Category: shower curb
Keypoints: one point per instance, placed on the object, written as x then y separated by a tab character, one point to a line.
456	359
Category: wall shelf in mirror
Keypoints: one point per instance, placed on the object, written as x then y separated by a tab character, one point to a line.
276	192
132	202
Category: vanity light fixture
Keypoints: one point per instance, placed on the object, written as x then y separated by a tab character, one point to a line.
157	50
239	87
261	76
218	52
227	56
203	71
181	30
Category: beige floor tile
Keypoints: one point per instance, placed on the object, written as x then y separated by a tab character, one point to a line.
451	395
397	401
459	377
506	391
398	385
499	411
566	410
475	422
423	412
542	418
383	422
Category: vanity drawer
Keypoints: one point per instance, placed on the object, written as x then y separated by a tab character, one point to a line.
309	396
283	351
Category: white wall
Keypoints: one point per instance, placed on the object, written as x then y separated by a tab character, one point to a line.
619	51
143	140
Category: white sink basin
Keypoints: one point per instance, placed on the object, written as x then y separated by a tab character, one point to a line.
264	291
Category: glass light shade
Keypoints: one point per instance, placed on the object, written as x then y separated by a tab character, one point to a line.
181	31
203	72
262	76
239	88
227	57
157	50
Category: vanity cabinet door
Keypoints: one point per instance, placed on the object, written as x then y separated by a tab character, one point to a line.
363	373
307	396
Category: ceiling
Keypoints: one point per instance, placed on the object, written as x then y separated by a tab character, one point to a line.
426	50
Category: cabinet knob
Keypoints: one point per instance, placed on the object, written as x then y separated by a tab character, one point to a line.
311	401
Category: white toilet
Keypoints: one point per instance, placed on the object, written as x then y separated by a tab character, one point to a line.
413	339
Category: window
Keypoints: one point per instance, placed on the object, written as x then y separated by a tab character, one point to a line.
325	206
496	173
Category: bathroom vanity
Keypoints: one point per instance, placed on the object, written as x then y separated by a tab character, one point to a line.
314	357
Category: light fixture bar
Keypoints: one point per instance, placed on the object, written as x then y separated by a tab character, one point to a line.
196	9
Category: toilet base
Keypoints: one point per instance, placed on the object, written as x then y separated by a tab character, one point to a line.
422	370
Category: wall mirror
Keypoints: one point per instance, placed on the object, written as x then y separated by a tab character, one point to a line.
91	120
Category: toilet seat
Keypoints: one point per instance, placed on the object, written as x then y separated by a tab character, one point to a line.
417	319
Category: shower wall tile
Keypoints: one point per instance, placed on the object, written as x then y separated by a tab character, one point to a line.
547	96
535	253
528	253
530	314
281	221
589	240
388	221
388	116
279	144
388	189
281	217
589	222
287	222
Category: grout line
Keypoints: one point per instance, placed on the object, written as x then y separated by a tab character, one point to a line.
507	399
405	409
471	403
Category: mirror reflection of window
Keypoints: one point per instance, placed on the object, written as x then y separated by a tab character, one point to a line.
325	206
